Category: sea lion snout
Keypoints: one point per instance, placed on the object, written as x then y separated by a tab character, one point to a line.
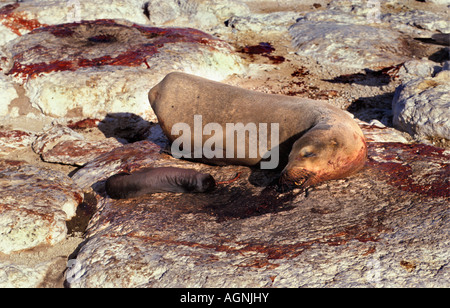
296	178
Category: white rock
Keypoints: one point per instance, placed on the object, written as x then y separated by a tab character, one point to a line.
6	34
51	12
8	93
421	107
11	140
443	2
271	22
347	45
21	18
414	69
52	136
61	144
388	14
375	131
336	16
201	14
22	276
416	21
34	206
94	68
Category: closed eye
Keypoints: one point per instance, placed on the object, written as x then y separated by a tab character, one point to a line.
309	154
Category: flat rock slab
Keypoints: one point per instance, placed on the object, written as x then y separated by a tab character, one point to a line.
349	45
60	144
20	18
34	206
387	226
11	140
127	158
93	68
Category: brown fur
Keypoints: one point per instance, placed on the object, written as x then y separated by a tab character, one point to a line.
156	180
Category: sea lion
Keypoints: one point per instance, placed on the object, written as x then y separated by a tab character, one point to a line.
316	141
154	180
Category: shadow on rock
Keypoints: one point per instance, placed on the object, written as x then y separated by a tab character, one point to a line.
370	78
227	203
377	107
129	127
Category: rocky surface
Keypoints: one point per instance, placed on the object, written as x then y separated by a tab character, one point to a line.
63	145
267	239
8	94
11	140
35	204
21	18
108	66
366	46
421	106
74	77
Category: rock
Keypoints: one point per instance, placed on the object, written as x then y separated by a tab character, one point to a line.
34	205
41	267
375	131
8	94
388	14
120	62
347	45
421	107
14	276
79	152
142	154
414	69
53	136
384	227
13	24
200	14
23	276
337	12
61	144
443	2
20	18
11	140
415	21
270	22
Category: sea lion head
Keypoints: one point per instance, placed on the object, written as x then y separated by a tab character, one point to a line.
324	153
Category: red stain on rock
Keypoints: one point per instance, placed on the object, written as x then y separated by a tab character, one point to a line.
17	21
417	168
83	124
4	164
269	250
149	41
16	135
